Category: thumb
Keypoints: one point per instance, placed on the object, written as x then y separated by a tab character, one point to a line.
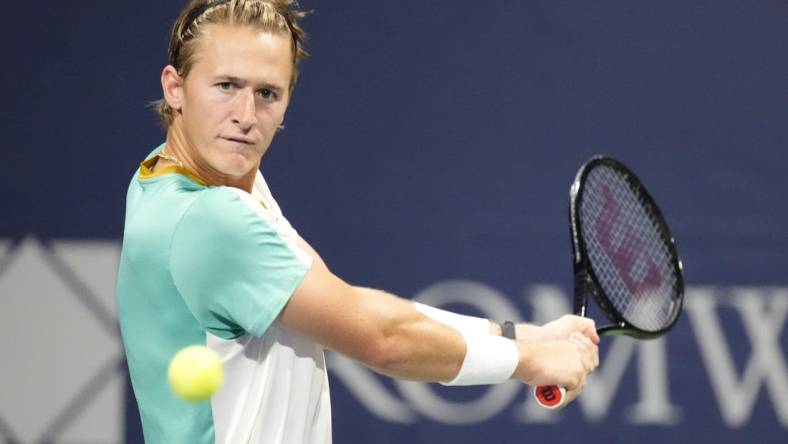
588	328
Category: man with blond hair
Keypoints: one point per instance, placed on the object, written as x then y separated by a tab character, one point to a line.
209	258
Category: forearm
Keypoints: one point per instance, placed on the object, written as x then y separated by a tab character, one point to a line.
412	345
486	358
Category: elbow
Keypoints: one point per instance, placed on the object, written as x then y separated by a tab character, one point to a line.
385	353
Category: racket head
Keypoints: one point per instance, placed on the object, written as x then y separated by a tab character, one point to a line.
624	255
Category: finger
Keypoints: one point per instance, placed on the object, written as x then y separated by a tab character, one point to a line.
589	330
587	360
592	362
593	352
589	352
582	340
571	395
592	334
571	377
586	326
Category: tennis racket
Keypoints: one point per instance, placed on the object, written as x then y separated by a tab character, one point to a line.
624	257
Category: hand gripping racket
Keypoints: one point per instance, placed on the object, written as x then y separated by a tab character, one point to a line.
624	256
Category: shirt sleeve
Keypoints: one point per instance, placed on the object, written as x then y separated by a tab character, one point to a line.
233	265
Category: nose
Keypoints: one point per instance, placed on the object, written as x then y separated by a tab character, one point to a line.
244	115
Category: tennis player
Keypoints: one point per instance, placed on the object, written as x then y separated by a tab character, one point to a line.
209	258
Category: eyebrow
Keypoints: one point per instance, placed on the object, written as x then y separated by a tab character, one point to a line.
241	81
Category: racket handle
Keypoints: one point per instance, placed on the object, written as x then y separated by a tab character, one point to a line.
550	396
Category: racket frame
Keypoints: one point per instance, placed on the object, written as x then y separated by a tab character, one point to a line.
586	282
585	279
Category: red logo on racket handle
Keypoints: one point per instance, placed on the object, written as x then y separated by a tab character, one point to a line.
550	396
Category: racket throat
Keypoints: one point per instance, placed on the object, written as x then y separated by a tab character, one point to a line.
583	287
616	330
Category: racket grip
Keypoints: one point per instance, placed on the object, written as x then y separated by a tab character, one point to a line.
550	396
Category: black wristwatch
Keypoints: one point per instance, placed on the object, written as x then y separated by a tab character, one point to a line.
507	330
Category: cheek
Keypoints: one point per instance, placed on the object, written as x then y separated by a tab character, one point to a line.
205	118
272	117
204	104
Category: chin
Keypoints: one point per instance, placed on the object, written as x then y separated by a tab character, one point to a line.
237	170
238	167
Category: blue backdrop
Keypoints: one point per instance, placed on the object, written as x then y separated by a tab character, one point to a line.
428	151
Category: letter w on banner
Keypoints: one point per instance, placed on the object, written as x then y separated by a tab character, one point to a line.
763	312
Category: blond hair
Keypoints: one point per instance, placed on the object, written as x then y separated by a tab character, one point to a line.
275	16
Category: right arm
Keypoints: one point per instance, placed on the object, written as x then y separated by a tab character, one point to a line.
389	335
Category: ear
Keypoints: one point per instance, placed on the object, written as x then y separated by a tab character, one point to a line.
172	87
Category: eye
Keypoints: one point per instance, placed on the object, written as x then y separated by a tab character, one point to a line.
225	86
267	94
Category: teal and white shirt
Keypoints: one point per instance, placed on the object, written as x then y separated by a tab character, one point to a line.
215	266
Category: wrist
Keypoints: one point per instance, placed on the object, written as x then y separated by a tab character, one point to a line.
530	333
462	323
488	359
524	369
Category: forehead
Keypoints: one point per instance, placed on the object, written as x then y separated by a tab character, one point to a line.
244	52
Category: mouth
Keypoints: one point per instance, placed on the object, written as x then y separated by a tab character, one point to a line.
239	139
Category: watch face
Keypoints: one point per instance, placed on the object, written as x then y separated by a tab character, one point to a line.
507	330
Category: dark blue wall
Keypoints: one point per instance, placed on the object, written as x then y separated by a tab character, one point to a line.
431	141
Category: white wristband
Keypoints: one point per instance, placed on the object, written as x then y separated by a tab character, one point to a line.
488	359
461	323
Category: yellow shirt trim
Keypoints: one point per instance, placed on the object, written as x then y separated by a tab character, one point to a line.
146	171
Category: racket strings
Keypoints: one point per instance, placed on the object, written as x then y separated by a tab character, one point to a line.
628	249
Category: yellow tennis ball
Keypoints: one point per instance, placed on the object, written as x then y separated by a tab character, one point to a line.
195	373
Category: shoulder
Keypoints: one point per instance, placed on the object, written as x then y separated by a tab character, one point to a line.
218	198
225	217
221	209
230	220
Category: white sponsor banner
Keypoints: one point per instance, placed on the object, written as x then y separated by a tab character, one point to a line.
762	312
61	346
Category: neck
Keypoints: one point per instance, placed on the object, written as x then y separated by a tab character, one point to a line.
177	147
